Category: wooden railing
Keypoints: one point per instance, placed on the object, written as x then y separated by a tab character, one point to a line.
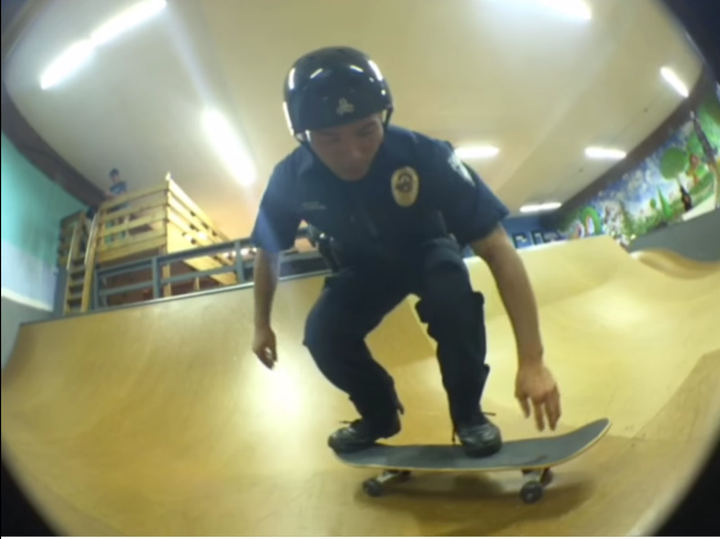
155	221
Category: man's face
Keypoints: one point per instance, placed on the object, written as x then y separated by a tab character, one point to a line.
349	150
115	178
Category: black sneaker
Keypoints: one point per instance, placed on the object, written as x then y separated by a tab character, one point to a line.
479	437
362	434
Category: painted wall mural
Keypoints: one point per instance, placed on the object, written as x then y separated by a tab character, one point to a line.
681	179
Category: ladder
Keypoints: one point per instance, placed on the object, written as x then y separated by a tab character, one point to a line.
75	255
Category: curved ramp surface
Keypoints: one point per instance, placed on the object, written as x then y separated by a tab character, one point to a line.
157	419
676	265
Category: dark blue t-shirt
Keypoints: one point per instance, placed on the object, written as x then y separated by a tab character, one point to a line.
119	188
416	190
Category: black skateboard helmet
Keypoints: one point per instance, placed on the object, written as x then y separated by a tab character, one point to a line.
333	86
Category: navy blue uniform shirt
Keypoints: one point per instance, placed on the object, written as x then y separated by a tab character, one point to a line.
416	190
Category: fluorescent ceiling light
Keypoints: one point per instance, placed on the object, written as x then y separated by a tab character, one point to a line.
536	208
229	147
673	80
578	9
126	20
67	63
476	152
604	153
76	55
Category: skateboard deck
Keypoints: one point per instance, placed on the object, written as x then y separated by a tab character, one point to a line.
533	456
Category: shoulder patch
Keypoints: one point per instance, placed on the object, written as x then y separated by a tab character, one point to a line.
459	167
405	186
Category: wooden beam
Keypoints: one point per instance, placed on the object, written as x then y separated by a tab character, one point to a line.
130	240
157	216
133	196
105	217
146	246
187	201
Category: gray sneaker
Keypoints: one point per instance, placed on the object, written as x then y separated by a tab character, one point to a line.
362	434
479	437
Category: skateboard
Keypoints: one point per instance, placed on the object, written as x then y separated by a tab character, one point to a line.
533	457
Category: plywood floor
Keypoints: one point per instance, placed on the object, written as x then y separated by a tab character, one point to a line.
158	420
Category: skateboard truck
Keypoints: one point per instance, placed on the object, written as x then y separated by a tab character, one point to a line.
375	486
531	492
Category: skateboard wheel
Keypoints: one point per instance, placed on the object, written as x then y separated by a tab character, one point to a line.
373	488
531	492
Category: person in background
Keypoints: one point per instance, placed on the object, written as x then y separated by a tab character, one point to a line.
117	186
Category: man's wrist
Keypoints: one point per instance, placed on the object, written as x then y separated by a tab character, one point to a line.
262	324
531	358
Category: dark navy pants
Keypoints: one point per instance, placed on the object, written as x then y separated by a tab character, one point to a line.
356	299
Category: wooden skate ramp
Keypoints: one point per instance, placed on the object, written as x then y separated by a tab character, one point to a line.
157	420
676	265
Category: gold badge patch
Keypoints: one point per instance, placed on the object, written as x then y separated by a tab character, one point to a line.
405	186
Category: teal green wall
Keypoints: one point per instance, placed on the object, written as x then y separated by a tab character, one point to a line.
32	207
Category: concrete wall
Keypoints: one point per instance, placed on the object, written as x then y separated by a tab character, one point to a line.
698	238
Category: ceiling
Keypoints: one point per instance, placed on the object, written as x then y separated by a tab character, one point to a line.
539	85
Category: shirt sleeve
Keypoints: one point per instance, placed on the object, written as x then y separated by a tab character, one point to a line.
470	209
278	221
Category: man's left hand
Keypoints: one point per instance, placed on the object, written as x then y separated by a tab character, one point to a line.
536	387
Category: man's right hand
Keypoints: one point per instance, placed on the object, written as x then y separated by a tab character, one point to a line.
265	346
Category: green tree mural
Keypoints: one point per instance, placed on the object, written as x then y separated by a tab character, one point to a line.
628	222
673	163
665	207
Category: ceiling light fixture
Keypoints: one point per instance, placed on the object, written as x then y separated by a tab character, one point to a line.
78	54
66	64
476	152
229	147
578	9
536	208
130	18
604	153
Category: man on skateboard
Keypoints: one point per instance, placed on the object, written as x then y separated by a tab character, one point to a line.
397	206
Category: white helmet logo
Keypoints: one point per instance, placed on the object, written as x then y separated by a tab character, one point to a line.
345	107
